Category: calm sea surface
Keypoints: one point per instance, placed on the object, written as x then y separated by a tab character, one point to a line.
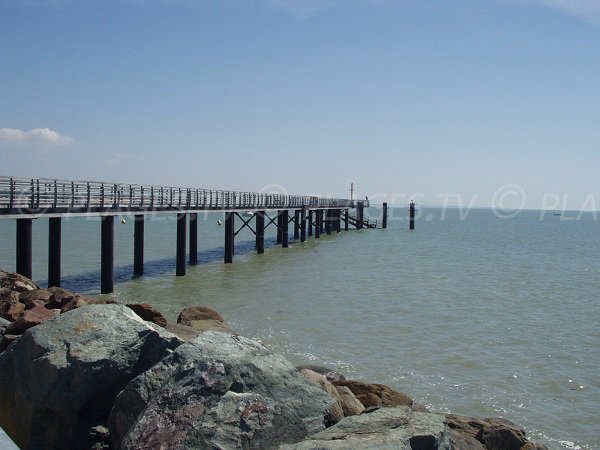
477	315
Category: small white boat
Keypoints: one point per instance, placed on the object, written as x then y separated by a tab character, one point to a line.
249	213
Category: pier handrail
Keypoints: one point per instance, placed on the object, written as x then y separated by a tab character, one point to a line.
39	196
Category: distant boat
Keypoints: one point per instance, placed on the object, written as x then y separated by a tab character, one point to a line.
557	214
123	221
249	213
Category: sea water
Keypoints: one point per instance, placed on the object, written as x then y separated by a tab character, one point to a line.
476	312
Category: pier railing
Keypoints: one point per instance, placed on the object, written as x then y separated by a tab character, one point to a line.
22	196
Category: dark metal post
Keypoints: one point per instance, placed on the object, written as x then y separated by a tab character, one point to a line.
328	220
303	225
346	220
296	224
318	214
360	206
24	247
284	231
54	250
279	227
412	216
338	216
181	238
138	245
107	254
260	232
323	219
193	239
310	222
229	236
385	214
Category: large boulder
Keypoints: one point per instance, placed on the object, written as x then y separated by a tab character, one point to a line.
335	413
385	428
370	394
16	282
43	297
10	306
191	313
147	312
60	379
30	318
488	433
218	391
351	406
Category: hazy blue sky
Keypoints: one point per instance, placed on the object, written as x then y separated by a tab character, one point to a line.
447	100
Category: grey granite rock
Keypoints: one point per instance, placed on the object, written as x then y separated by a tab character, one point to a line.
60	378
218	391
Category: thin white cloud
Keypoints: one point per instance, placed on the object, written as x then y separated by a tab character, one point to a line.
587	9
37	135
584	9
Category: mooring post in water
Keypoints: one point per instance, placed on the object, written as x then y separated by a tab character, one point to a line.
54	250
360	206
412	216
229	236
24	247
260	232
385	214
318	214
138	245
296	224
310	222
338	220
193	239
284	228
181	238
303	224
346	221
107	254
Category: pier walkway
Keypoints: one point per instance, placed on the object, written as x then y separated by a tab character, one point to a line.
25	199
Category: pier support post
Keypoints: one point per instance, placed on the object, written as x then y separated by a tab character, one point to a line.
24	247
412	216
181	238
346	220
360	206
328	220
318	220
310	222
385	214
54	250
229	236
338	218
107	254
279	227
260	232
303	224
284	230
323	220
138	245
193	239
296	224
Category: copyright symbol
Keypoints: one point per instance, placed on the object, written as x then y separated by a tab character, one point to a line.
273	189
504	197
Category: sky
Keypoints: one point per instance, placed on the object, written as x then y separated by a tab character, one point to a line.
446	102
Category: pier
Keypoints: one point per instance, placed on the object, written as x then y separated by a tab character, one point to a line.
25	199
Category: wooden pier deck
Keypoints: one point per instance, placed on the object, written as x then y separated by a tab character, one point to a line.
25	199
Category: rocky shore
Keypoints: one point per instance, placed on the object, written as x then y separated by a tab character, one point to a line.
77	373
